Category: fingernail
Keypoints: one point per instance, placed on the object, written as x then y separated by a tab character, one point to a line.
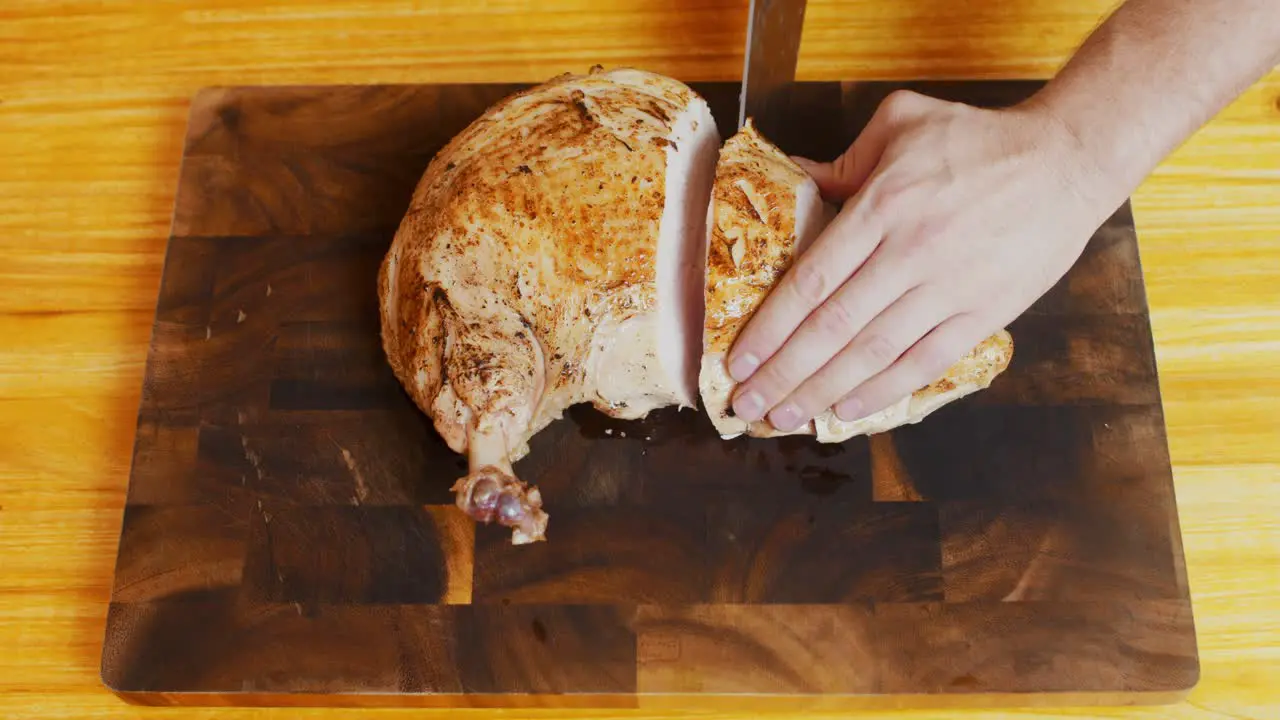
741	367
749	406
847	410
785	418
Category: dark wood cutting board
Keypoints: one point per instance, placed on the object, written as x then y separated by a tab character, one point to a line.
290	536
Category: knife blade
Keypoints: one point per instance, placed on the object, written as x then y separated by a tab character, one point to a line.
769	69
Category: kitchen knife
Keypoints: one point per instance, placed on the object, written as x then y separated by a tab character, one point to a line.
769	71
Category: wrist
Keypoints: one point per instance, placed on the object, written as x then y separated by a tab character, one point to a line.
1086	146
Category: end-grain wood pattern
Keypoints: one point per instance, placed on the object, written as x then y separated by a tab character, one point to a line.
290	537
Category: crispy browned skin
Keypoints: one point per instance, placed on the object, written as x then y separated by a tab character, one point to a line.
753	233
766	209
522	278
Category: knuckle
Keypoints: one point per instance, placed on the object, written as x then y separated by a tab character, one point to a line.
834	318
913	247
943	224
809	283
900	105
880	350
883	201
888	195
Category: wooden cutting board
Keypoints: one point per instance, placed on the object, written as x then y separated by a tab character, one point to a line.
290	536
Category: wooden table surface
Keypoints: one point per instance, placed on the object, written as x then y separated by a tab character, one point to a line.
93	97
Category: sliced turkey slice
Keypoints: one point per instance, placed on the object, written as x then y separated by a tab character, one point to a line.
765	210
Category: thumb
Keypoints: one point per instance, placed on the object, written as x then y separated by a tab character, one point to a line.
843	177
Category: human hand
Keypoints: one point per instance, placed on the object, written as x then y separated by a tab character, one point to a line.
955	220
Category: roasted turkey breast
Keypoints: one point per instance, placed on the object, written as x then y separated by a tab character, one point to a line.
553	253
556	252
765	211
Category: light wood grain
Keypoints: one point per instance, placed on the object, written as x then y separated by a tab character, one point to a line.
93	97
